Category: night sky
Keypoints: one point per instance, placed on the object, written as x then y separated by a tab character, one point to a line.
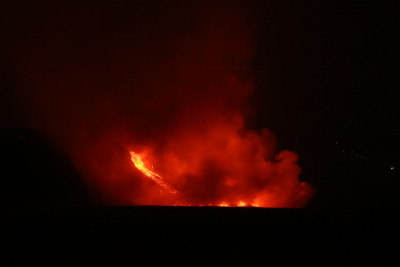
332	74
325	74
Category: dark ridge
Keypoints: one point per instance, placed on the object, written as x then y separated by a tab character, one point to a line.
326	237
35	172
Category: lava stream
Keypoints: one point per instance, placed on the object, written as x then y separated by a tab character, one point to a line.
137	160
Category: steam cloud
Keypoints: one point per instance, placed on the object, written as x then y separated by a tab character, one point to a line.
168	82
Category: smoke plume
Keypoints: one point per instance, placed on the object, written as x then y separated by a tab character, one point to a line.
167	81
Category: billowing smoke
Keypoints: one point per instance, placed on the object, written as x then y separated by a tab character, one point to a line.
169	82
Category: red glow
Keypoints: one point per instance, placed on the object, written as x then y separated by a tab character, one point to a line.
170	92
137	161
224	165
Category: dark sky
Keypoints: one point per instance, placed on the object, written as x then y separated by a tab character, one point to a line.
334	79
325	73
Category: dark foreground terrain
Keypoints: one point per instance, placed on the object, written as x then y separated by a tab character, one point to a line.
192	234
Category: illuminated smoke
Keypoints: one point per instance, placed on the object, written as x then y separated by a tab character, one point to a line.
158	88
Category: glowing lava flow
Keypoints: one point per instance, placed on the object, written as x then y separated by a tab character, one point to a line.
137	160
240	204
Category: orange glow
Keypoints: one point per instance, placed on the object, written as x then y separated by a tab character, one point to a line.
137	161
242	204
